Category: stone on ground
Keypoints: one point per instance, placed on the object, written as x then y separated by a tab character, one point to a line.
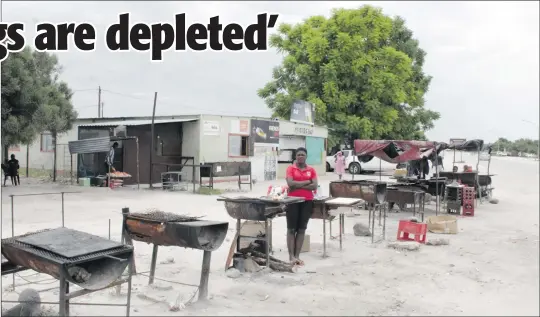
494	201
439	241
361	230
404	246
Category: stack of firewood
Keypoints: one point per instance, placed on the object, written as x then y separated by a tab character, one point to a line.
252	252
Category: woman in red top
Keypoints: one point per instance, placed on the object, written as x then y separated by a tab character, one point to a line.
302	181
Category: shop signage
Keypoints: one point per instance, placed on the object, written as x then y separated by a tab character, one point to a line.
302	112
303	130
265	133
211	127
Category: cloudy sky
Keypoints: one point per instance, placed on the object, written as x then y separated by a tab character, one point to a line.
484	57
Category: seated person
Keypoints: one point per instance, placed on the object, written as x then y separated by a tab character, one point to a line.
455	169
467	169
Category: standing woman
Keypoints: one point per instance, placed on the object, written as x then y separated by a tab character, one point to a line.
302	181
340	164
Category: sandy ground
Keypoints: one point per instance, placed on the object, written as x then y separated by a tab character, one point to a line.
489	268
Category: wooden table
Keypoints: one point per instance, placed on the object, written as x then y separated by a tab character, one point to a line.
328	204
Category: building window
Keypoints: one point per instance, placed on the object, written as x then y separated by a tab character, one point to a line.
238	145
46	142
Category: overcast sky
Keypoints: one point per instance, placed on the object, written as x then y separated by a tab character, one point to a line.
483	56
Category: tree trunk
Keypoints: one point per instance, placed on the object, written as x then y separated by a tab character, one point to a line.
5	154
54	135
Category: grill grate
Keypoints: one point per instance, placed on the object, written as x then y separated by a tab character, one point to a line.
161	216
12	242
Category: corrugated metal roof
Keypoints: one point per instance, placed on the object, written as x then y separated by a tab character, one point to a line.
135	122
90	145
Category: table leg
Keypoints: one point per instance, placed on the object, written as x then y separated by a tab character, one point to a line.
340	233
384	222
324	235
238	227
342	223
369	216
373	225
267	237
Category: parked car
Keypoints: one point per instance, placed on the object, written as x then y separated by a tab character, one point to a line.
355	165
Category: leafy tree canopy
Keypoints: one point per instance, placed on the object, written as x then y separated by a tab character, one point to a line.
33	98
360	68
520	145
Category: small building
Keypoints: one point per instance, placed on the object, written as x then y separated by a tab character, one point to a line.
180	140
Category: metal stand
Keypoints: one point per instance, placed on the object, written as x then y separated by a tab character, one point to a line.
153	264
419	197
205	276
382	220
65	296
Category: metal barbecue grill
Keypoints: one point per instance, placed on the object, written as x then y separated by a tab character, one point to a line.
257	209
403	195
168	229
372	192
90	262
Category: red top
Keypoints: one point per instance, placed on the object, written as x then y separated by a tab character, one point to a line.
304	174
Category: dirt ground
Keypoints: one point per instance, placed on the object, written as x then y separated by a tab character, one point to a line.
489	268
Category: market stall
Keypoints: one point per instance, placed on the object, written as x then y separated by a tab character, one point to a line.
481	182
99	145
401	151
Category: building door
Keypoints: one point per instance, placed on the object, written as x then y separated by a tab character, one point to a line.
315	148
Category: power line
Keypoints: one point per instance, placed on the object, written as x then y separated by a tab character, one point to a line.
175	104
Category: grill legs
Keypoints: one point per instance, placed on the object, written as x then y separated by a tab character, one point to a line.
205	274
153	264
64	301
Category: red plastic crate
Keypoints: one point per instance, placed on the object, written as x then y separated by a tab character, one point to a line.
407	228
469	197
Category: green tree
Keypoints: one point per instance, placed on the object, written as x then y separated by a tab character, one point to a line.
34	100
361	69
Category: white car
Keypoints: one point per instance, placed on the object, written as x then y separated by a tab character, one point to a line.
355	166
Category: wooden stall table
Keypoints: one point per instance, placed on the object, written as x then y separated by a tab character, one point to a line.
321	210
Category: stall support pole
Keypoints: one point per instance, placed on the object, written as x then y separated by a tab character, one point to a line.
152	140
437	181
13	230
138	165
380	169
63	210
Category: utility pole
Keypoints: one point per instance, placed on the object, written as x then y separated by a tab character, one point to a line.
102	106
152	139
99	103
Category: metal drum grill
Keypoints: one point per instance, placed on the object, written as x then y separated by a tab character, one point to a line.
404	195
372	192
257	209
90	262
168	229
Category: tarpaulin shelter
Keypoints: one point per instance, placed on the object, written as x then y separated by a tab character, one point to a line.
397	151
475	145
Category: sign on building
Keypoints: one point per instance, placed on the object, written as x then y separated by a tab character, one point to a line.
302	112
265	133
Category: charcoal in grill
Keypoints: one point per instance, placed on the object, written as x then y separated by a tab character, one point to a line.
94	264
162	216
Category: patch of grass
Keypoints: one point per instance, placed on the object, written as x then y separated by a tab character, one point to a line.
209	191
